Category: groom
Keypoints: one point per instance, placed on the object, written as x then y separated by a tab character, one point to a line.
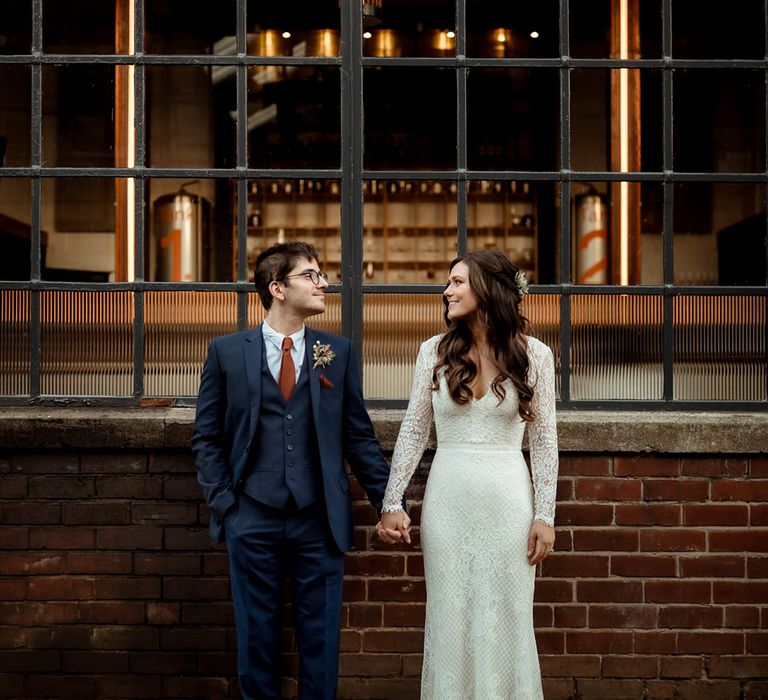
279	410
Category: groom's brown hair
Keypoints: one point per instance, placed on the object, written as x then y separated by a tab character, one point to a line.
276	262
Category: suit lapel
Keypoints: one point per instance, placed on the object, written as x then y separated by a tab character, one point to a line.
314	380
252	352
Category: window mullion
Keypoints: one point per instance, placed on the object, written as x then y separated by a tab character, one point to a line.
351	179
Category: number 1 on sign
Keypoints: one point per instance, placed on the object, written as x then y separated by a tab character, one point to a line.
173	241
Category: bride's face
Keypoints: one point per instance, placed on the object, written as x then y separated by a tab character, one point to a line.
462	302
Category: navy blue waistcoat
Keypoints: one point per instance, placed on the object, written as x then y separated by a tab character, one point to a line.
285	460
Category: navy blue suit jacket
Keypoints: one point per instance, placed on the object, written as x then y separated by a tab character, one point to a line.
227	417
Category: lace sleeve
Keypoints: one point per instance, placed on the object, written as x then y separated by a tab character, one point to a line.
542	432
414	431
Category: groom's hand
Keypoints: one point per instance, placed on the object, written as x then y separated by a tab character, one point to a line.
394	527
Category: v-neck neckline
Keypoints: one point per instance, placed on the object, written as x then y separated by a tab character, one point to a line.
485	393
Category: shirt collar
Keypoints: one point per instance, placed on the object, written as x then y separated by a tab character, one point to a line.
271	335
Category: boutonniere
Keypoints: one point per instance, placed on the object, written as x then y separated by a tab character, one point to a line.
322	355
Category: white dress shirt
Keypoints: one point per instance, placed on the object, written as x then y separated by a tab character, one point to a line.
273	342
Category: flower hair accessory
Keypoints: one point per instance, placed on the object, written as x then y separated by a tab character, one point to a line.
322	355
521	282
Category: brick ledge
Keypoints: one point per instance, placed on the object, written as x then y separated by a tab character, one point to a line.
38	427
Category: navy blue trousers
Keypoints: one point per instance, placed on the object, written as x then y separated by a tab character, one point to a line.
265	546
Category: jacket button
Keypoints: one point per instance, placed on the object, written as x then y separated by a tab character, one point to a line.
290	462
289	417
289	432
290	448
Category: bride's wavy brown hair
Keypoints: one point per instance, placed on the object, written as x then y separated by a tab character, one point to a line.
491	276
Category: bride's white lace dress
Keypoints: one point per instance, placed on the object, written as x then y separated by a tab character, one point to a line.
478	508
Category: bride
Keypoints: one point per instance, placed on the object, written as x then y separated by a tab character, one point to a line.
484	524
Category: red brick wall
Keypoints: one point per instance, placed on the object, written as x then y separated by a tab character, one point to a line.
109	586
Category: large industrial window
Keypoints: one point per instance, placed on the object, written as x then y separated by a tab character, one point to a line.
614	149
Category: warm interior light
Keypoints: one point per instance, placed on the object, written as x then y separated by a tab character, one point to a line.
130	194
444	41
328	43
501	37
286	35
386	43
367	35
624	143
534	35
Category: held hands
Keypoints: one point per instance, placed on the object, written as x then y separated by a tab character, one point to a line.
541	541
394	527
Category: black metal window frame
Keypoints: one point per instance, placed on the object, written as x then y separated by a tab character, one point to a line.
351	175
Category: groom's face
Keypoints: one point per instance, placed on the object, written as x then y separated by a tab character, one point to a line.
302	295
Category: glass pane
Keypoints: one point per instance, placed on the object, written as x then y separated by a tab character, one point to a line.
293	29
507	215
651	263
410	118
14	342
735	32
394	327
78	216
85	26
600	101
501	29
719	120
720	351
178	27
78	115
15	116
86	344
296	210
330	321
617	347
616	233
16	20
719	234
181	128
294	117
595	27
221	124
15	228
178	326
543	312
409	231
191	231
513	119
412	29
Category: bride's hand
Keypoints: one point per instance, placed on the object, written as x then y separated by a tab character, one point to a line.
394	527
541	541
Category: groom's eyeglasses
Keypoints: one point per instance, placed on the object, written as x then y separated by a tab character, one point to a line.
312	275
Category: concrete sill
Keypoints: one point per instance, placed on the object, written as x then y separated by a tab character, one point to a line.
38	427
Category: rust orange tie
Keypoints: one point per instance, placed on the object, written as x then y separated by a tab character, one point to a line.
287	377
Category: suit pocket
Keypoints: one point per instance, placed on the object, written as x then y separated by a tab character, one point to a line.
267	467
